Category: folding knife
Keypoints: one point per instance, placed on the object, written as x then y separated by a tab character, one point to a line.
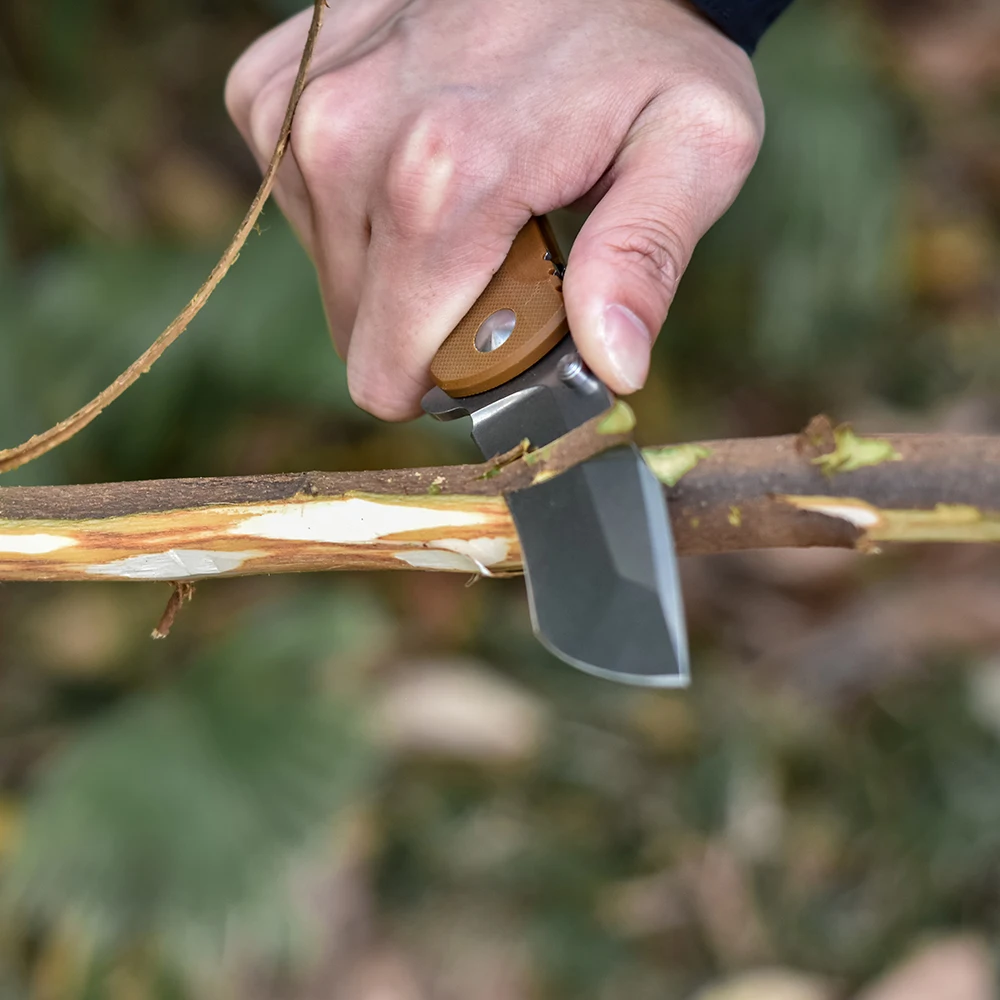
599	556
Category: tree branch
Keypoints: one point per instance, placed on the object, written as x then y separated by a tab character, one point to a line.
796	490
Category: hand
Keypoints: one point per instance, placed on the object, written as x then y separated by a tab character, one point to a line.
431	130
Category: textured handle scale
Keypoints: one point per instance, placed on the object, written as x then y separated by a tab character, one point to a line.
529	284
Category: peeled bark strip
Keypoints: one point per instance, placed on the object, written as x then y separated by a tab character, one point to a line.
294	530
726	496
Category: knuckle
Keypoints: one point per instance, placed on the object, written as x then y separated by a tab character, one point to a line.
238	93
651	249
428	172
243	85
327	129
264	117
274	54
730	126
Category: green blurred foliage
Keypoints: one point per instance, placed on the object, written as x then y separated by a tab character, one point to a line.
170	817
821	798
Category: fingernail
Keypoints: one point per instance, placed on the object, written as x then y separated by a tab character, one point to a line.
627	343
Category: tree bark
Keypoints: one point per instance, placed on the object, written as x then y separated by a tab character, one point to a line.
723	496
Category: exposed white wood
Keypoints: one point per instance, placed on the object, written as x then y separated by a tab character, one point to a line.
34	544
173	564
857	512
438	559
486	551
349	521
473	555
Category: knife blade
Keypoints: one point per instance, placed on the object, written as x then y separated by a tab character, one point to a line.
599	556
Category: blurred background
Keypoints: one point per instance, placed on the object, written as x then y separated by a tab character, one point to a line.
379	787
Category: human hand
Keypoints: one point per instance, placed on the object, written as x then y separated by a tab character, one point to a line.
431	130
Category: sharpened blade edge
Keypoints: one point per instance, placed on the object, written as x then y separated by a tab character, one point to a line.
668	576
627	623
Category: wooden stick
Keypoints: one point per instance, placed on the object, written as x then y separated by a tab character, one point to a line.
724	496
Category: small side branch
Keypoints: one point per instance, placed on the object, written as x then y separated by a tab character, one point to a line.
724	496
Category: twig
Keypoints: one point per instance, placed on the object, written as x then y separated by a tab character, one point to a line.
12	458
181	593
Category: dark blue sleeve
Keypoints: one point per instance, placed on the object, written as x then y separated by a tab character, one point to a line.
743	20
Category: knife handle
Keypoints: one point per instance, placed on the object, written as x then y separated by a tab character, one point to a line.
517	320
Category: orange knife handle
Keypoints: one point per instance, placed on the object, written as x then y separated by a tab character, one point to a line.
515	322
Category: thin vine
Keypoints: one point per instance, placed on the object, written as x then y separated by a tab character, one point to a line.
35	447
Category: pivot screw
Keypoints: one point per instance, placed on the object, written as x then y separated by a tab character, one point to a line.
575	373
495	330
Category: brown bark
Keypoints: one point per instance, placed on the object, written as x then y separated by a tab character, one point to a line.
740	494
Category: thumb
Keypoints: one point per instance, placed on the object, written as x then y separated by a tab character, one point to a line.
630	254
